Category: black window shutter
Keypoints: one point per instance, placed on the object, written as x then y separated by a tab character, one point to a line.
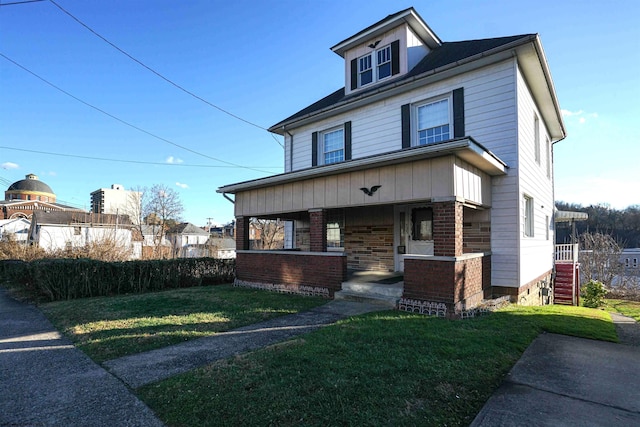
354	74
458	113
395	57
347	141
314	149
406	125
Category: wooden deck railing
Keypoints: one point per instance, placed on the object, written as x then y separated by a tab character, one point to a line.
567	253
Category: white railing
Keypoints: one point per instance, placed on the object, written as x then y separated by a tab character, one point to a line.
567	253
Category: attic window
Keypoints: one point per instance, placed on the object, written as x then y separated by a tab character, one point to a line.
377	65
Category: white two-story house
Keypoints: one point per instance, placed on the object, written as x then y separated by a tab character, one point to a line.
434	160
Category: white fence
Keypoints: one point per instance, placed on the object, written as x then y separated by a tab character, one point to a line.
567	253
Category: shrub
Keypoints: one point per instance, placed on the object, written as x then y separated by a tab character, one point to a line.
593	293
63	279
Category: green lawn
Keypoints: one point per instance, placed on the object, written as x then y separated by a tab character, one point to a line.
110	327
388	368
627	308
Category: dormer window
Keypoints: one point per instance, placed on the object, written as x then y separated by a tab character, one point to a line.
376	65
384	62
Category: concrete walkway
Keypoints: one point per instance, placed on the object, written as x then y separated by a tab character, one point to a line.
46	381
155	365
568	381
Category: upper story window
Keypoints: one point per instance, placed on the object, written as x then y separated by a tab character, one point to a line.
375	66
365	72
332	146
384	62
536	137
434	120
528	216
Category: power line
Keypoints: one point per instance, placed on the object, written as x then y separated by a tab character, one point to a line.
125	122
166	79
104	159
20	2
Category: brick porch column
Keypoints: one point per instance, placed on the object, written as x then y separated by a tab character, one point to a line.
242	233
447	228
318	231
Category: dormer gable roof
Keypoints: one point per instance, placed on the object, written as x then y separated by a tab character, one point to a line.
410	16
448	54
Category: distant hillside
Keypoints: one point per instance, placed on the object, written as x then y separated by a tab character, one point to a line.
623	225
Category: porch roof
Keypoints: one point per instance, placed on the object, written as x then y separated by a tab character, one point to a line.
465	148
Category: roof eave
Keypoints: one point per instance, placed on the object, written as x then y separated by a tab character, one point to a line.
465	148
410	16
403	85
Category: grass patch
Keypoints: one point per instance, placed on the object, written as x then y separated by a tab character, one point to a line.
624	307
389	368
109	327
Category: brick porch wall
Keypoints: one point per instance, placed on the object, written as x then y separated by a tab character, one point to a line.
292	269
453	281
369	247
476	237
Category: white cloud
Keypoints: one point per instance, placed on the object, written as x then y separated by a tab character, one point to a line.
181	185
174	160
580	115
9	165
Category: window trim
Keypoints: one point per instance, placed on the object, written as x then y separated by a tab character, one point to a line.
374	66
321	145
528	211
536	138
415	138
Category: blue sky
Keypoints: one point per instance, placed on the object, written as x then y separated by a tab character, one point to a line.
263	61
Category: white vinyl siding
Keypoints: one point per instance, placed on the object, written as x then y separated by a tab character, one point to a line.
498	119
490	117
536	250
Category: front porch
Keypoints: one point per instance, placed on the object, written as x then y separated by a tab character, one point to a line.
423	213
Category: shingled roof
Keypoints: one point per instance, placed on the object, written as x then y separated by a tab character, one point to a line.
447	54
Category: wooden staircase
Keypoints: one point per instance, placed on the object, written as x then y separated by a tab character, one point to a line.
566	287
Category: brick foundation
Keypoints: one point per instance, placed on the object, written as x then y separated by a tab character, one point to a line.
457	282
292	269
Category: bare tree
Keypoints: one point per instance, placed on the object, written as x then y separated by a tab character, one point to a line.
162	207
269	233
600	258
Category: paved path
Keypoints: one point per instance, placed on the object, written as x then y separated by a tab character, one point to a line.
155	365
568	381
46	381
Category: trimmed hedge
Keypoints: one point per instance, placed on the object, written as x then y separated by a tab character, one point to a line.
64	279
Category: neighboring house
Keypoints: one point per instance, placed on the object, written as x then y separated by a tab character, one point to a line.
434	160
68	230
223	247
150	242
17	228
188	241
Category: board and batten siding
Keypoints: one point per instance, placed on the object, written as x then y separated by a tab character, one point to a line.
536	253
414	181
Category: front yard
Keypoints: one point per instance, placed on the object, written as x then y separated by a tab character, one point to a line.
385	368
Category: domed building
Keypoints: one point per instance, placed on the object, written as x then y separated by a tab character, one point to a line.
30	188
24	197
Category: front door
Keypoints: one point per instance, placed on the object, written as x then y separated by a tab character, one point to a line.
413	232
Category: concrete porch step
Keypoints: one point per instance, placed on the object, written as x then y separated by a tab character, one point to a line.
373	293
